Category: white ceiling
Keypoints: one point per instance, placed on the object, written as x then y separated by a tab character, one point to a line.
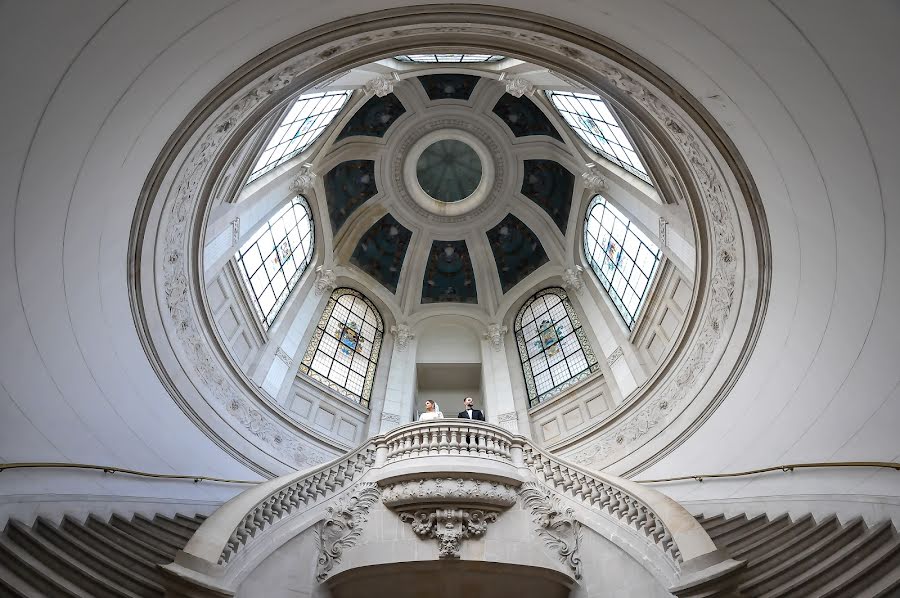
805	88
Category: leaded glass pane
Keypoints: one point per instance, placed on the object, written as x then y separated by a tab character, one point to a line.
307	118
554	356
426	58
595	124
276	256
344	351
623	258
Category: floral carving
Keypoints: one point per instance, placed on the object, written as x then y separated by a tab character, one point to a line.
403	334
382	86
342	526
449	490
304	180
556	524
449	526
494	335
517	87
614	356
593	180
571	279
326	280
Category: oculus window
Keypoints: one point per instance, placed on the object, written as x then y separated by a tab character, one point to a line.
275	257
449	58
592	120
623	258
307	118
554	350
343	351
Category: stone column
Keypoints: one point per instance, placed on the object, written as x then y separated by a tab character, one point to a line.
497	388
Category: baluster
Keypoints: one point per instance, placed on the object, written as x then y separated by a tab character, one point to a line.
443	445
489	448
454	440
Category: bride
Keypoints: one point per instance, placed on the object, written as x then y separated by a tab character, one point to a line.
431	412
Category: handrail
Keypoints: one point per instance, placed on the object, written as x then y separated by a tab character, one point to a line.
110	469
786	468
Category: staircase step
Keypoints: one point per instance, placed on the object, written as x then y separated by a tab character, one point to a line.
99	562
45	580
865	575
184	530
755	536
748	526
191	522
715	528
144	535
14	586
117	552
127	541
793	539
799	562
64	563
175	540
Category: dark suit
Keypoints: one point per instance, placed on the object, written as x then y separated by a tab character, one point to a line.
476	414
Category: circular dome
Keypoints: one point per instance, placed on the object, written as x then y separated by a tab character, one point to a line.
449	170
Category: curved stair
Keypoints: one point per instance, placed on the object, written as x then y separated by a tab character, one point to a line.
94	558
803	557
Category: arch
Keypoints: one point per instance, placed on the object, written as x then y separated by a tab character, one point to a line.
553	349
343	352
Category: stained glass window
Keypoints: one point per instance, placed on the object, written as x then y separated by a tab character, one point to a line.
307	118
344	348
591	118
554	350
623	258
449	58
275	257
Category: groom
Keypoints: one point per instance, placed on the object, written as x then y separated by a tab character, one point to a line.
470	412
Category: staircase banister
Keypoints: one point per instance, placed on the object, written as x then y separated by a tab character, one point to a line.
687	533
207	544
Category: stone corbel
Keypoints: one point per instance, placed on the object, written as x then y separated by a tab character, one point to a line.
516	86
494	335
571	279
403	334
449	527
382	86
593	180
326	280
342	526
304	180
556	524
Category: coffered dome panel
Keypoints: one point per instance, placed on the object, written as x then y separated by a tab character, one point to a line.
374	118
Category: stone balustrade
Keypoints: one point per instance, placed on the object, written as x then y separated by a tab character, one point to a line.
448	437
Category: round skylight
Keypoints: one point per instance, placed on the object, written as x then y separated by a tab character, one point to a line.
449	170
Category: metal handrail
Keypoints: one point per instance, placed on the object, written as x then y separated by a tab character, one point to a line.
786	468
110	469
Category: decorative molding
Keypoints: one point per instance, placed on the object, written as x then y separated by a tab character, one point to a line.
449	490
556	524
511	416
403	334
593	180
283	356
342	526
235	231
449	527
326	280
572	280
382	86
304	180
390	417
494	335
614	356
663	232
517	87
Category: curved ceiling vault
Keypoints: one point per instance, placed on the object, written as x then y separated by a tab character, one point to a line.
92	111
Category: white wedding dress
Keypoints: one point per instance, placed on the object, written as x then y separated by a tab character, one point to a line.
431	415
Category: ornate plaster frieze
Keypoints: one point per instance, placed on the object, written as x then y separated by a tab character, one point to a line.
403	335
556	524
326	280
663	232
391	417
449	527
382	86
235	231
495	334
449	491
342	527
283	356
593	180
304	180
615	356
517	87
503	418
572	279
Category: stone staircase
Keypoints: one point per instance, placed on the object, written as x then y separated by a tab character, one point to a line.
803	557
96	558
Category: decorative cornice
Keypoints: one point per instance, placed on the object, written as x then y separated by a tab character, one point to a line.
446	491
342	526
494	335
403	335
449	527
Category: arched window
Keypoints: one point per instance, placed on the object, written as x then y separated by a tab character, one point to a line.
275	257
426	58
307	118
621	256
554	351
343	351
593	121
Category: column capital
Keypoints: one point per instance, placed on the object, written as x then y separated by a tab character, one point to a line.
494	335
382	86
572	280
304	180
326	280
403	334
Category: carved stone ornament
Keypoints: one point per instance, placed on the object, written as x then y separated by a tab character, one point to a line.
382	86
494	335
342	526
571	279
614	356
403	334
326	280
555	524
518	87
593	180
390	417
283	356
449	490
663	232
304	180
512	416
235	231
449	526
